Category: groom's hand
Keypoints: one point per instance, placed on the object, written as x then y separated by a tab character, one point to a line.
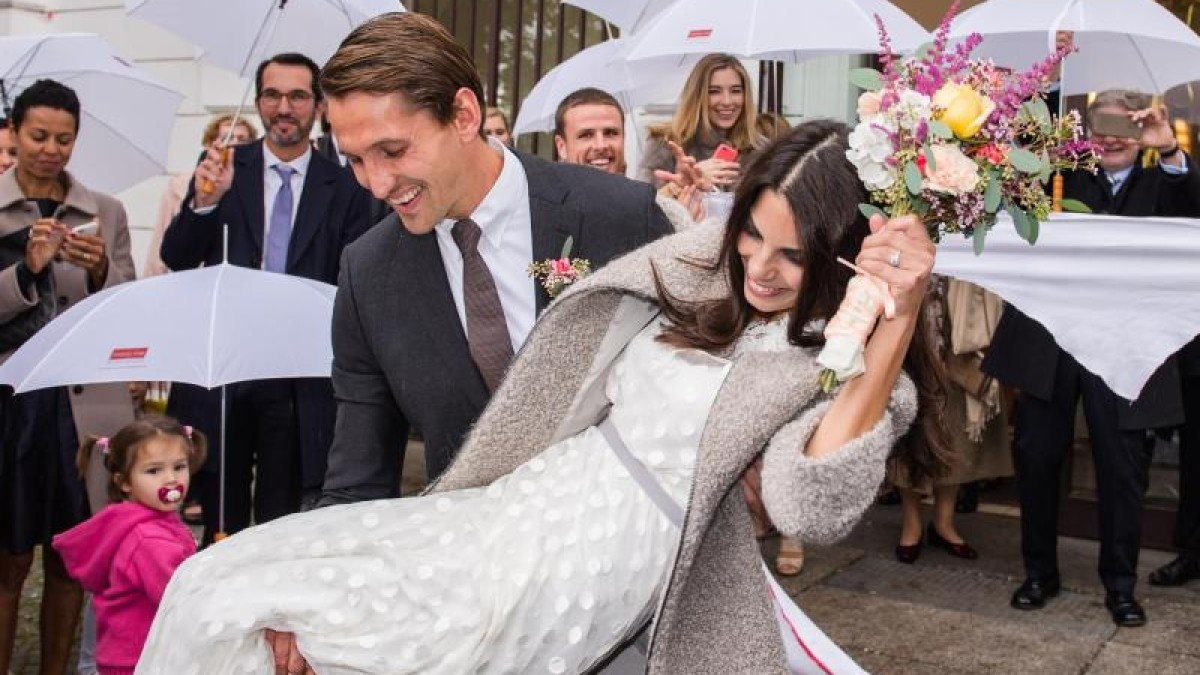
287	657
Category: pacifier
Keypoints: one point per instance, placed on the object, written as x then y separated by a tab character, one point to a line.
172	494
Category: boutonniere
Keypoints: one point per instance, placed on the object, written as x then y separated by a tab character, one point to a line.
555	274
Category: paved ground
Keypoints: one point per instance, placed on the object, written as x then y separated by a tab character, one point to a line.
943	615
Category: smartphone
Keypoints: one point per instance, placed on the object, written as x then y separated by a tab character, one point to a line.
86	228
1112	124
726	152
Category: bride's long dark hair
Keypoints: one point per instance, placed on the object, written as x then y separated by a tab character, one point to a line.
808	168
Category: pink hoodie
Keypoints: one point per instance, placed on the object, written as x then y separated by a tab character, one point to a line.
125	555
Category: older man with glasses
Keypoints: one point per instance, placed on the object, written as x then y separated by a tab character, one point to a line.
288	210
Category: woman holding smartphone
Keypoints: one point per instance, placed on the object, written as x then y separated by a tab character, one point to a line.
714	123
51	259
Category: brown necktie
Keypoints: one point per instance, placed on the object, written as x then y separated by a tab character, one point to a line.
487	332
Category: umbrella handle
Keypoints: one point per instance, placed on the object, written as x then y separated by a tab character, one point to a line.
207	186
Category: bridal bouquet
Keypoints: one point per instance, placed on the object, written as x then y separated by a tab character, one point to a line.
953	140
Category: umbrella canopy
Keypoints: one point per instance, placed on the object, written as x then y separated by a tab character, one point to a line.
119	144
1127	44
778	30
628	15
237	34
603	66
210	327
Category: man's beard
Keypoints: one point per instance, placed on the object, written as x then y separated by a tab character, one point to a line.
300	134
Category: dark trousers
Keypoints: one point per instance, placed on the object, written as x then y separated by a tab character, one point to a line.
1044	430
1187	520
263	451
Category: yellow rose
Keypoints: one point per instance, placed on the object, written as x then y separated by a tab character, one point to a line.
962	109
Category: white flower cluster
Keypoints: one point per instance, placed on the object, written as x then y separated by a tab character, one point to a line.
870	147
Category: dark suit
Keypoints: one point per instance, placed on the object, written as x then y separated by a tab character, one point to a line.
286	424
1187	523
400	351
1024	355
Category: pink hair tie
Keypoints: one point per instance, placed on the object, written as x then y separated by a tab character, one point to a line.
187	430
102	443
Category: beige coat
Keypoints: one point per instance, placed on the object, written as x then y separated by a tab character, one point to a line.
97	408
715	615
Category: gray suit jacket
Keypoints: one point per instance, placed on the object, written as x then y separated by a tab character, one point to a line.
400	354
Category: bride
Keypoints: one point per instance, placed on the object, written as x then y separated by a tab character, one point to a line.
539	551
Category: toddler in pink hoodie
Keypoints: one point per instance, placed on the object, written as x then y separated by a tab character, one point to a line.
125	554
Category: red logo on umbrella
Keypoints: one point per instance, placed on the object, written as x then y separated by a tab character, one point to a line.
699	33
128	353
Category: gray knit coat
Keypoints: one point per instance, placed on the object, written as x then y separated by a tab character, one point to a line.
715	614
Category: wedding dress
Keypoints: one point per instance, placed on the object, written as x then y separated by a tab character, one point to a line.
546	570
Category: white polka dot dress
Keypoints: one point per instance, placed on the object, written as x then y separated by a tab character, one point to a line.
543	571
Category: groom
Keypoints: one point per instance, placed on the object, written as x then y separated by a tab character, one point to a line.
435	299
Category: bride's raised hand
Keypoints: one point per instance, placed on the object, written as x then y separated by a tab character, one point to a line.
899	252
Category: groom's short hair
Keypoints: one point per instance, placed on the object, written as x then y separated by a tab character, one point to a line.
403	53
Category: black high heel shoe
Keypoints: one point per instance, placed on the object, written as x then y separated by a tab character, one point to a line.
909	554
962	550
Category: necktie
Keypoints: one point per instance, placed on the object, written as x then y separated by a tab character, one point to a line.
280	232
487	332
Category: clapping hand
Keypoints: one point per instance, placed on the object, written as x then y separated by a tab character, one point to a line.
45	239
687	184
87	251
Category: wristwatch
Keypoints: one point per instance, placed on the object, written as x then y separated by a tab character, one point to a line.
1167	154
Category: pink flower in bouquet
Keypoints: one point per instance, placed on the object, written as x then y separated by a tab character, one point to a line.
993	154
951	172
562	267
869	104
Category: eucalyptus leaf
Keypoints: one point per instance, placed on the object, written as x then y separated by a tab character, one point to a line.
923	50
1040	112
1034	228
938	128
866	78
992	193
1024	160
930	162
1020	220
566	249
1074	206
912	178
977	238
869	210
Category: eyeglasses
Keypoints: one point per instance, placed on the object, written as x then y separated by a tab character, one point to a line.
295	97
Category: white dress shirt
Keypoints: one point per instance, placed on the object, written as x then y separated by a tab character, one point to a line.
506	244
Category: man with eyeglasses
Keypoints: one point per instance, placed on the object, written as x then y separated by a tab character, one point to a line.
291	210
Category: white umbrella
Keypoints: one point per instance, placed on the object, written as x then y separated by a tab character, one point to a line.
602	66
628	15
777	30
237	34
126	115
1128	44
210	326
